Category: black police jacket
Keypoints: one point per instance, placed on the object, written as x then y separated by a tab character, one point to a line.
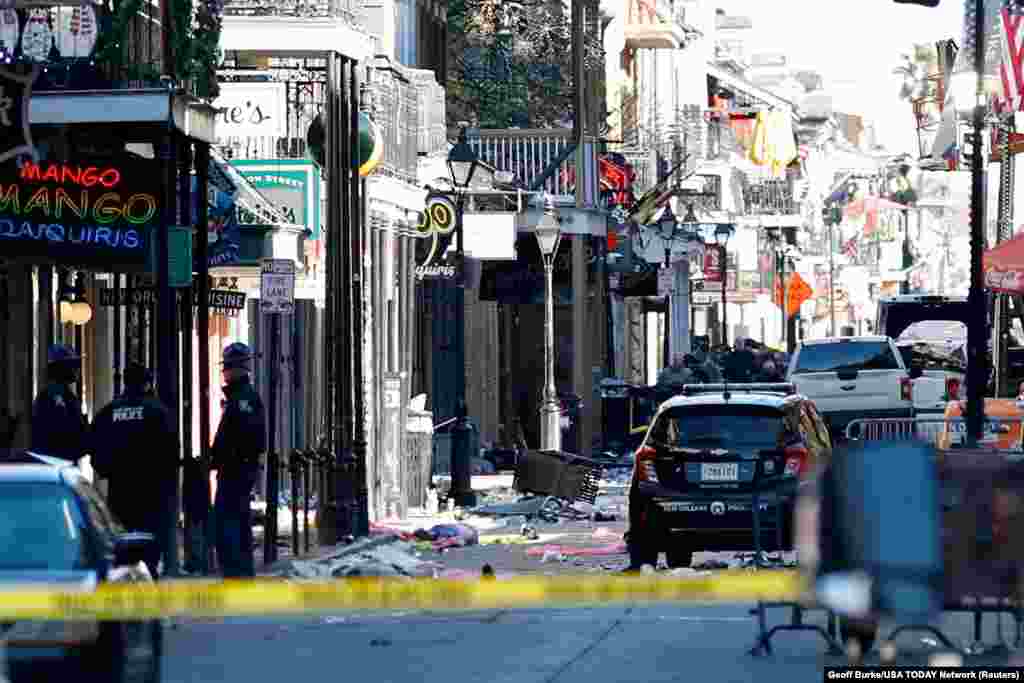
58	427
135	448
241	435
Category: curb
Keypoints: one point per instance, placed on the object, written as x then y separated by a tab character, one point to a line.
333	553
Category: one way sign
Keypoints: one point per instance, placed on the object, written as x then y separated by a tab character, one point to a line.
277	286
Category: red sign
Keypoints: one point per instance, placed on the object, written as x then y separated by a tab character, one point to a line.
713	265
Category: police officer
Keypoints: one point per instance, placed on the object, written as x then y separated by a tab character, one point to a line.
135	450
59	429
241	440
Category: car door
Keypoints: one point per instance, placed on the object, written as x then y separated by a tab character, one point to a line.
107	529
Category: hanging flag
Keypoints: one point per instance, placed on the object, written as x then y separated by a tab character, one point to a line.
1011	36
851	249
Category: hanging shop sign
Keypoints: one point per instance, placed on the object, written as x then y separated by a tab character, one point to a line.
251	110
219	299
86	212
437	229
291	185
371	145
223	232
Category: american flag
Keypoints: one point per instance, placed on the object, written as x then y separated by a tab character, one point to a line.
850	248
1012	40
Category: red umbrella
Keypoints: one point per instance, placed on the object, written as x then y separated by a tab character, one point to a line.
1004	266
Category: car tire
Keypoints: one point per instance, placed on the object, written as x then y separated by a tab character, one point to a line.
862	631
106	659
678	557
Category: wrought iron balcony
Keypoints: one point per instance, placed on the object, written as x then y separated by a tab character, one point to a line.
396	109
770	197
526	153
352	10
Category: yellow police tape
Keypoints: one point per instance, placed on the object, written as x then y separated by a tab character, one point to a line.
277	597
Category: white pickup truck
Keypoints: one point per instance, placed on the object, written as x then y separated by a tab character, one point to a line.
849	378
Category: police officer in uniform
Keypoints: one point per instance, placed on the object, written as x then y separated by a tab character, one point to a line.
241	440
135	450
59	429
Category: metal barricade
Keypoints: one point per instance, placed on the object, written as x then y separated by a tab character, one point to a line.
930	429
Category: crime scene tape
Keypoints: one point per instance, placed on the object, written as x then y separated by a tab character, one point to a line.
278	597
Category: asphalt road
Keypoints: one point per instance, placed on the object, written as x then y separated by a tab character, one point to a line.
649	643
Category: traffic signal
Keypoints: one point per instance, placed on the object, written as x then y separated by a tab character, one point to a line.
924	3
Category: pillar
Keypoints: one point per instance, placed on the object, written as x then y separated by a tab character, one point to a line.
102	325
679	318
581	379
18	395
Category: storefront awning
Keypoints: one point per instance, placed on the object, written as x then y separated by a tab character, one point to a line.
1004	266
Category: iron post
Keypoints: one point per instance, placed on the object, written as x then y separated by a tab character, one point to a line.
977	375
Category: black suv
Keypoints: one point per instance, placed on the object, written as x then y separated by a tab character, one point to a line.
706	453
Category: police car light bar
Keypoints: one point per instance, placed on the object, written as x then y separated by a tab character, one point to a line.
763	387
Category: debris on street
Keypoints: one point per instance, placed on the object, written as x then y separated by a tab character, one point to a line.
390	560
618	548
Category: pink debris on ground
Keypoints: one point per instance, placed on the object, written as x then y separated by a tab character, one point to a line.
605	532
381	530
569	551
467	575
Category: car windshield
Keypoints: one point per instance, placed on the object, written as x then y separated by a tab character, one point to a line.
41	527
846	355
718	427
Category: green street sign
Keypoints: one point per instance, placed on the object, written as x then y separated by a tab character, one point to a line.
179	256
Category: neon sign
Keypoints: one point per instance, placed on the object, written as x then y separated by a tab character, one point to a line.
88	212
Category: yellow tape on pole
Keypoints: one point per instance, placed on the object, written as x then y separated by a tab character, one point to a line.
277	597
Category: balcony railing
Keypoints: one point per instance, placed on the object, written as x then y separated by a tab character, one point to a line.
526	153
396	103
432	130
351	10
770	197
266	147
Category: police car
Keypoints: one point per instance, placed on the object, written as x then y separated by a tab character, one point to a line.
706	454
58	532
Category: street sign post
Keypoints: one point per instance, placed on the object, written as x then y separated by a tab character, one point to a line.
277	296
277	286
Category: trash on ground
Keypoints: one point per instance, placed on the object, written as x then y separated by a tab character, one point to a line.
598	551
605	532
552	556
688	572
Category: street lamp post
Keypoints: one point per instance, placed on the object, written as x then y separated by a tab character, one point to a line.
962	85
549	236
462	163
667	226
722	234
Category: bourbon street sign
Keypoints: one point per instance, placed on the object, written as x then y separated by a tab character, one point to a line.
87	212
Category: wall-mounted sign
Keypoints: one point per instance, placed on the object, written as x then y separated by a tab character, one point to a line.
219	299
251	110
84	212
291	185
